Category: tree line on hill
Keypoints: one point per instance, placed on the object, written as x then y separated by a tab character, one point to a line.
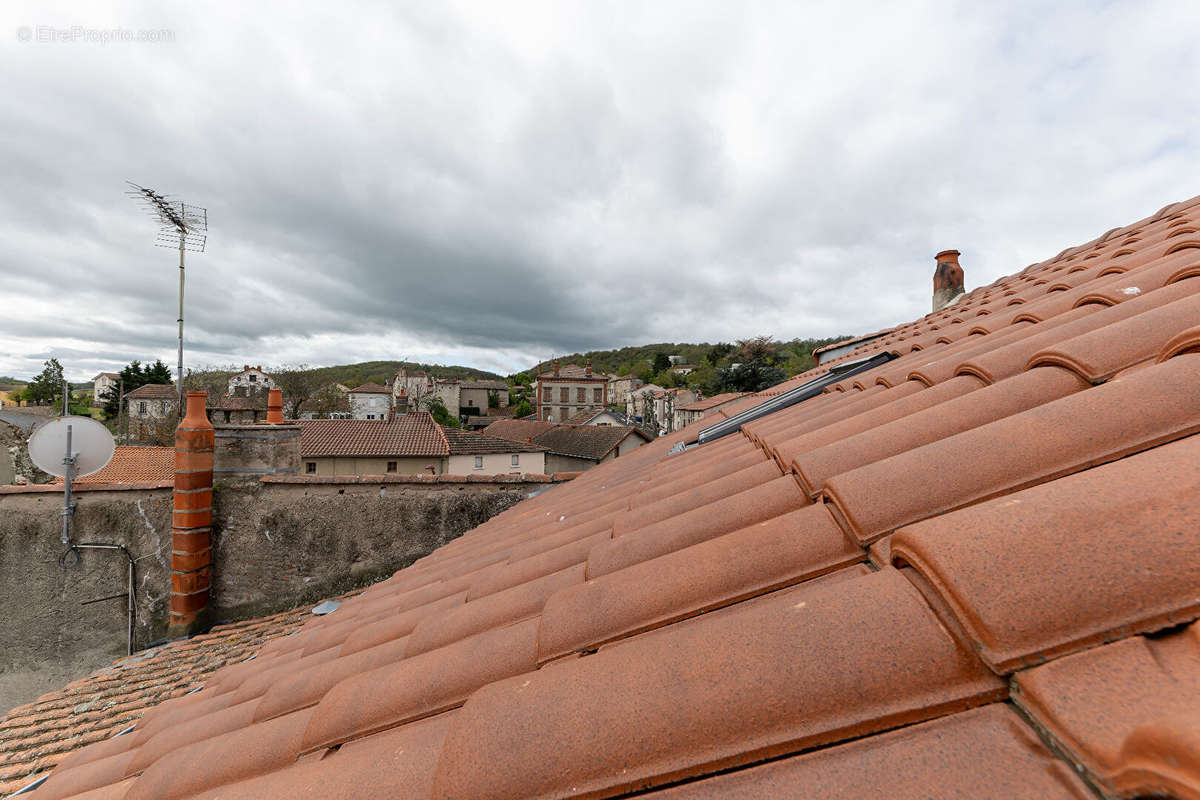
748	365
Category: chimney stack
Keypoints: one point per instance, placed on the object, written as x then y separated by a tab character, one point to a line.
556	366
191	521
587	368
947	279
275	407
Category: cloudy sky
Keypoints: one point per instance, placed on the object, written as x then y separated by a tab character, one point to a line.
490	183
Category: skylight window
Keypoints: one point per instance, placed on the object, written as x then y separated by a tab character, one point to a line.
787	399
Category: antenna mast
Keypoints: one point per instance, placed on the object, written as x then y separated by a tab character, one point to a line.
181	225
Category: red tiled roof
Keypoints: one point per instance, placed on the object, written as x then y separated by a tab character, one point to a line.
585	441
414	434
51	730
134	465
518	430
571	372
968	572
370	388
469	443
154	391
711	402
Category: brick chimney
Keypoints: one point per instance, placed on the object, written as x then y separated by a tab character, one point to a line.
587	367
556	367
275	407
947	279
191	521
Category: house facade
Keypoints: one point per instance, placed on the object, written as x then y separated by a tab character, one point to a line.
151	413
370	401
571	448
619	388
250	379
101	384
568	391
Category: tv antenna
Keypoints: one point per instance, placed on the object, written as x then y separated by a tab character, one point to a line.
71	447
181	225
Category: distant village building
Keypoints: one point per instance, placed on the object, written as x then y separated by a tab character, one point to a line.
413	444
565	392
655	406
329	402
619	388
101	384
250	380
571	448
151	413
370	401
461	398
688	413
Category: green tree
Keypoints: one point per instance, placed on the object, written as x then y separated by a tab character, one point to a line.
717	352
661	362
133	376
523	408
47	387
493	398
441	415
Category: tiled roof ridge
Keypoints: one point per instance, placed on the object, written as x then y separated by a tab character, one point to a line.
371	387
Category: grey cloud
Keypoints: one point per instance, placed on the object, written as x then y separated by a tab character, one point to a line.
390	180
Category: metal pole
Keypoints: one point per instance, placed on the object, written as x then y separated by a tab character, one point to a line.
67	510
179	369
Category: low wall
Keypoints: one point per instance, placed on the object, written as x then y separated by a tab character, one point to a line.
278	541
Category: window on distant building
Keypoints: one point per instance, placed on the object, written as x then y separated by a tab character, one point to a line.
310	467
391	466
252	378
478	462
141	408
597	395
516	461
581	395
562	414
564	395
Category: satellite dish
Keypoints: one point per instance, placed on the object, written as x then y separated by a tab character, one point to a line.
91	443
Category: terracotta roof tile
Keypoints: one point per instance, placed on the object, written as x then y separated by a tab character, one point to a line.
154	391
134	465
370	388
1011	502
471	443
414	434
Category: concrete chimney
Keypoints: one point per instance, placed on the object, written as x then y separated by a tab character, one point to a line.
947	279
191	521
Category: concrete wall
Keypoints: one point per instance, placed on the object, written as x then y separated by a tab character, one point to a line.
498	464
557	463
277	542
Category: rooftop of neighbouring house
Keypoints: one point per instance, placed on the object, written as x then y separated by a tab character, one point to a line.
131	464
591	442
370	388
961	561
154	391
414	434
470	443
570	372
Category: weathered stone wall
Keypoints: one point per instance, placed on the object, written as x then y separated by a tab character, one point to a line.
277	542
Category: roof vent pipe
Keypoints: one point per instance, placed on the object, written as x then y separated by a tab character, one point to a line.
947	279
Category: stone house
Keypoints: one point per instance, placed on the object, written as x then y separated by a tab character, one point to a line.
655	406
569	390
152	413
250	380
598	418
474	395
619	388
370	401
239	409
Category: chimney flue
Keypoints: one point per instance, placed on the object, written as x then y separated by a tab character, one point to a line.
556	366
947	279
275	407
